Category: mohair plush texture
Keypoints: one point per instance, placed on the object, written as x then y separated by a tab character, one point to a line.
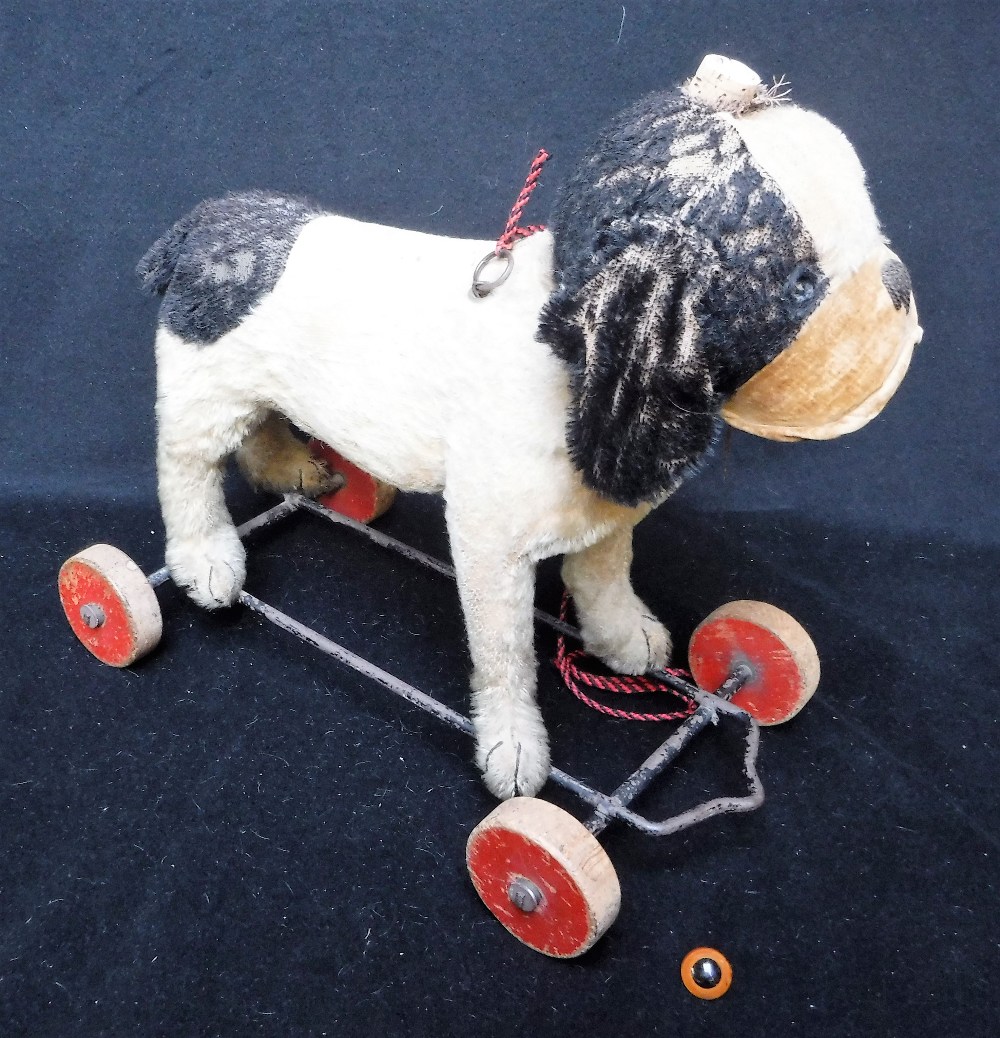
239	838
896	279
681	271
214	265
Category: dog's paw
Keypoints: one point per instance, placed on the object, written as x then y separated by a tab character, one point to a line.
314	479
274	458
635	647
210	570
512	752
513	766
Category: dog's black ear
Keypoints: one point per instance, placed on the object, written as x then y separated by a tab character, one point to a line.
642	413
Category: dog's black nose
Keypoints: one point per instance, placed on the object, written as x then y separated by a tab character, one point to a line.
896	279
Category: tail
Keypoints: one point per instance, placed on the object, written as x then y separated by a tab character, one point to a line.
156	268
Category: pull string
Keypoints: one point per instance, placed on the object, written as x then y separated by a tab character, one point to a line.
512	233
575	677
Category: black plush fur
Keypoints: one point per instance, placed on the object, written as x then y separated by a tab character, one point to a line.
214	264
896	279
673	288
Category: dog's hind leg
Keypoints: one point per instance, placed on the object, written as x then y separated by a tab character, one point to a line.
497	593
273	458
198	426
616	625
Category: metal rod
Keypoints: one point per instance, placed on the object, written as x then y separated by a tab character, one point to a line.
712	808
358	663
258	522
402	688
665	754
388	541
607	807
671	748
307	504
298	502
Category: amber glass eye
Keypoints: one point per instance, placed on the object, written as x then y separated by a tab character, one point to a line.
706	973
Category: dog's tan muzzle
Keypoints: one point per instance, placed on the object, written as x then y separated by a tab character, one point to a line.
843	367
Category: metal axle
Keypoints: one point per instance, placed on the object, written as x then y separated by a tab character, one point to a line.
606	808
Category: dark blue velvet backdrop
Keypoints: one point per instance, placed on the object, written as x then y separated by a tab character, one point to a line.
236	837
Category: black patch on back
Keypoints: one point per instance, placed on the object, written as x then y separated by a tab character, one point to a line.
215	264
896	279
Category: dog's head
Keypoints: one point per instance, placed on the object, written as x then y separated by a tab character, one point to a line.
717	255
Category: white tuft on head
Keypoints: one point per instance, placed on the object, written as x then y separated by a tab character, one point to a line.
727	85
724	84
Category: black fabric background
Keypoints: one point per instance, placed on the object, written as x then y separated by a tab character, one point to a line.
238	837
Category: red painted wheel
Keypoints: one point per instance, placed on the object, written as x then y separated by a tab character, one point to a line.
110	605
362	497
777	649
544	876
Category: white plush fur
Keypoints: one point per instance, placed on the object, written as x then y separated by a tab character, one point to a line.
823	179
373	342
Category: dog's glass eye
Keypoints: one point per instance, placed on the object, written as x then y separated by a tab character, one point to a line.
801	286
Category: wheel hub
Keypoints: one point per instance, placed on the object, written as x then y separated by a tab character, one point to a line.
524	894
92	615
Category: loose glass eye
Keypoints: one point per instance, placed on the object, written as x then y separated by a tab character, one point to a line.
706	973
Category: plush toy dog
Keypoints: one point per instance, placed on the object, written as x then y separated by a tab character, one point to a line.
716	253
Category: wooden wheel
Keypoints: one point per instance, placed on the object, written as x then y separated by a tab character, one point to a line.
544	876
110	605
362	497
777	649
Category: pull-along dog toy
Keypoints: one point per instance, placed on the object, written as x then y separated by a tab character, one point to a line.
714	257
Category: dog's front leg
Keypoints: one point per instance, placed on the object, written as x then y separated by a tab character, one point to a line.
616	625
497	593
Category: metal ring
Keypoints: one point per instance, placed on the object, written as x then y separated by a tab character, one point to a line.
481	289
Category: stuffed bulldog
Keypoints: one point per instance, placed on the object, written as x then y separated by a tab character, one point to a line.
715	256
